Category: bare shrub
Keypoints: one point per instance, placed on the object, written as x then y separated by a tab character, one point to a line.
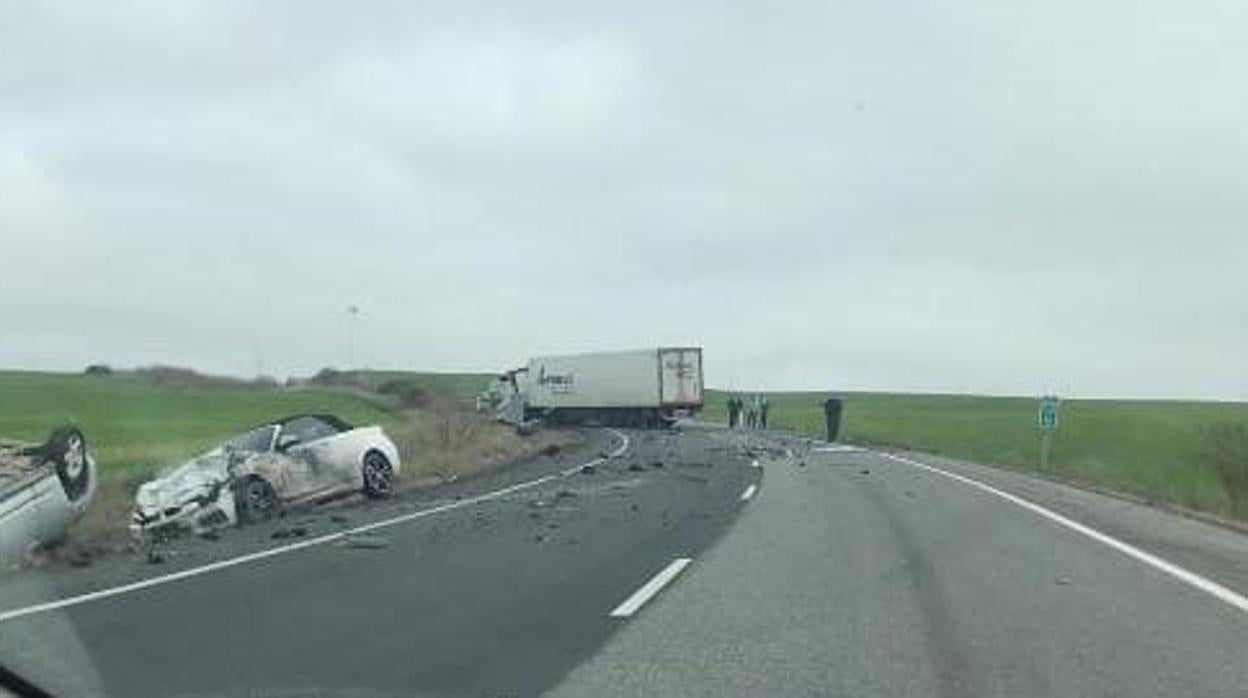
1228	450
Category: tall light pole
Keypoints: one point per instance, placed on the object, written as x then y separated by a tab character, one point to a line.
353	313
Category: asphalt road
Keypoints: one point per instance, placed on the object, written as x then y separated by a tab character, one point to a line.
678	568
853	574
494	597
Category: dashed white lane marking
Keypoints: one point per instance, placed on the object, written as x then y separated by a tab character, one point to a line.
756	464
749	492
648	590
1183	575
320	540
837	448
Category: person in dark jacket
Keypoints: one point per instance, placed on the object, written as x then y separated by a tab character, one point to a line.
734	411
763	406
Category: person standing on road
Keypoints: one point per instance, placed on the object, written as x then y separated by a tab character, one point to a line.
832	416
734	410
763	406
751	412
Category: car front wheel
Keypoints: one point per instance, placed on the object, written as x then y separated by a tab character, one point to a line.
378	475
254	500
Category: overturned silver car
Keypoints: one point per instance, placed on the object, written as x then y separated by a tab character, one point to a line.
44	487
250	477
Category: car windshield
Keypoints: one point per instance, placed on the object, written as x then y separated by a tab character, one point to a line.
601	349
259	439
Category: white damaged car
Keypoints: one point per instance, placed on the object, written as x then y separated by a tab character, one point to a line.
250	477
43	489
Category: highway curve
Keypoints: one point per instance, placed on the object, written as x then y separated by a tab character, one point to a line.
703	563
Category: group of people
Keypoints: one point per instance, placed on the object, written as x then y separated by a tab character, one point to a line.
748	412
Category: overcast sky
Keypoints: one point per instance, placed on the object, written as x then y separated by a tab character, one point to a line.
971	197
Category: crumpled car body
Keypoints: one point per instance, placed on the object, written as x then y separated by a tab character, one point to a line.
44	487
300	458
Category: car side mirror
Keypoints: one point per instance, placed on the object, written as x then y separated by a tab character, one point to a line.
285	441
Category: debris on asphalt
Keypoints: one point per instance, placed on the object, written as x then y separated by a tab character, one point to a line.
364	542
298	531
155	557
864	471
657	464
538	504
1063	581
588	469
564	494
340	519
909	494
635	468
539	538
634	507
280	534
551	450
80	558
210	535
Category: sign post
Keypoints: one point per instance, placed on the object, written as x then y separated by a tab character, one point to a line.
1046	419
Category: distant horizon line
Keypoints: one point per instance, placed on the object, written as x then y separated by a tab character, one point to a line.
709	388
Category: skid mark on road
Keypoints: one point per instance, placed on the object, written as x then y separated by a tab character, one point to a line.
1185	576
311	542
948	650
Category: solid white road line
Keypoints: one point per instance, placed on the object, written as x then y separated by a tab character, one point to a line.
1188	577
320	540
749	492
648	590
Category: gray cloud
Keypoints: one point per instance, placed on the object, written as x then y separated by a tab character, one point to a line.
897	195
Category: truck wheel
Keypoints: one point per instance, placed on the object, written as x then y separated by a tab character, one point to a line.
378	475
66	447
254	500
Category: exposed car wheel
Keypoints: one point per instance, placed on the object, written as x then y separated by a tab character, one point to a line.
378	475
66	447
254	499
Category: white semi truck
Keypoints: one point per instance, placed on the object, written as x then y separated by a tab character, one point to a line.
646	387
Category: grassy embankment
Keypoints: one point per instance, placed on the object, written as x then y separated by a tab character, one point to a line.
137	423
1159	450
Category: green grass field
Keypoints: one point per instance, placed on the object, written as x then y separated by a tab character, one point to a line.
132	424
1154	449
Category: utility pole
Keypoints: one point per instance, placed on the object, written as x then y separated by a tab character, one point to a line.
353	316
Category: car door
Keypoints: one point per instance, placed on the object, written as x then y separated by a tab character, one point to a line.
327	453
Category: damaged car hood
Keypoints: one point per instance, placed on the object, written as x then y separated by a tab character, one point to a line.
198	479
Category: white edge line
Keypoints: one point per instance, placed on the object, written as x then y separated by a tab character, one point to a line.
648	590
291	547
749	492
1183	575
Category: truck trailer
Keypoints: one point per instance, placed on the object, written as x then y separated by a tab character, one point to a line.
645	387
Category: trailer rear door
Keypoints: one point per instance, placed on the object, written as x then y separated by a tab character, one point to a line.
680	373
